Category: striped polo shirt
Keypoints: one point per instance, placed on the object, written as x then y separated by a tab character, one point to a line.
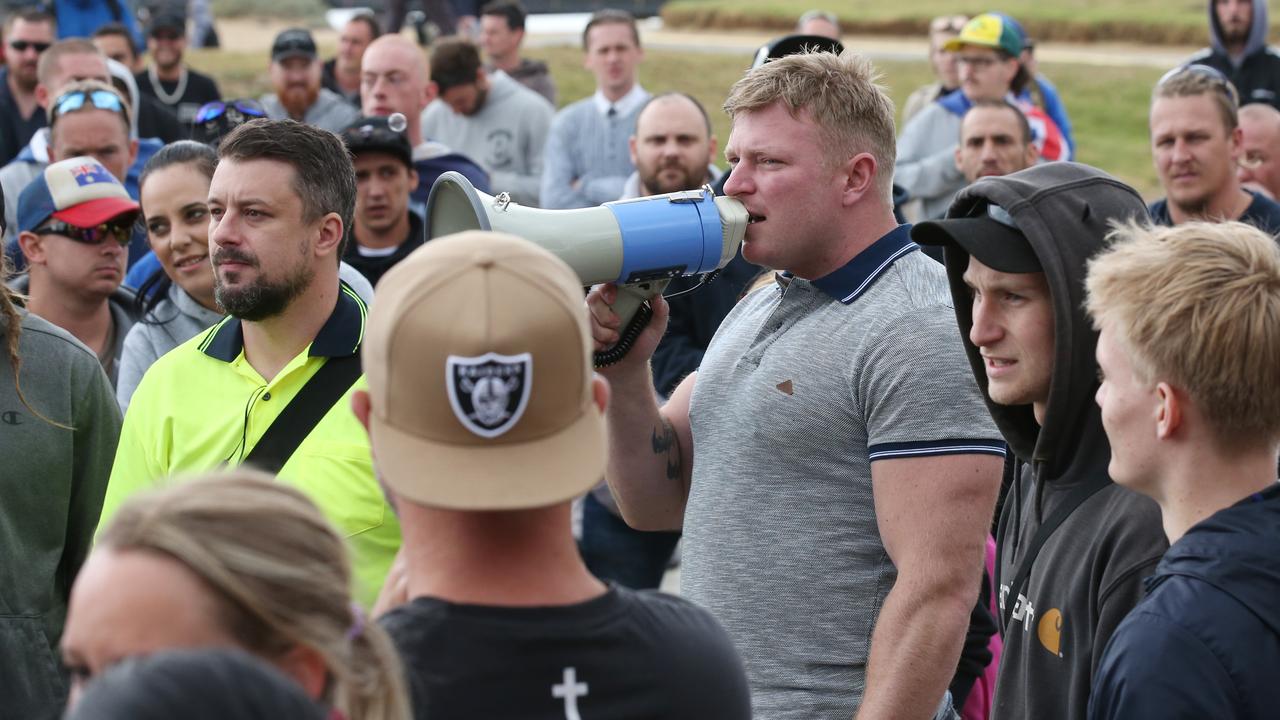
803	387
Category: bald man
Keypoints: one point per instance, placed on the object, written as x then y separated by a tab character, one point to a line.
1260	150
395	78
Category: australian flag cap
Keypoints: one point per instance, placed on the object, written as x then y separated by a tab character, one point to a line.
79	191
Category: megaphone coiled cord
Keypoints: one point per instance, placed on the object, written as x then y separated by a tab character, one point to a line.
639	322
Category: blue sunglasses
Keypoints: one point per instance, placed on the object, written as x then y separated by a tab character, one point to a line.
217	108
74	100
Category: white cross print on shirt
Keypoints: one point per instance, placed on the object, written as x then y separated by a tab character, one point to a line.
570	690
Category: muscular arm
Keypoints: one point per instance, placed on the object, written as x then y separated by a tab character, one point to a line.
650	453
933	514
650	449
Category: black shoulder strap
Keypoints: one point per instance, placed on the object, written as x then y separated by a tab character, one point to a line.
1073	500
303	413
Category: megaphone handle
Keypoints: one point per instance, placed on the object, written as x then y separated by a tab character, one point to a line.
632	307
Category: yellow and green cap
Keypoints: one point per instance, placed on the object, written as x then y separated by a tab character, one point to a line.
991	30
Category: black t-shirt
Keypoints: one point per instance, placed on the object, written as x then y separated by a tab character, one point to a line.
200	89
626	654
1263	213
373	267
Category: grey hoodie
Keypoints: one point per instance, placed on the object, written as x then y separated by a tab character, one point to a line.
1088	574
1256	71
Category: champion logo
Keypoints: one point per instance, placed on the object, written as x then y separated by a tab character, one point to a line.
90	174
489	393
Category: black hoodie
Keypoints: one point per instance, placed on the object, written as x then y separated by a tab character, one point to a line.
1089	573
1256	72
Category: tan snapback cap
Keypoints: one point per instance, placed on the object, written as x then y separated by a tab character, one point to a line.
478	359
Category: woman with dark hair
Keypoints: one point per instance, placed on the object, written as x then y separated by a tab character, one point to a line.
177	301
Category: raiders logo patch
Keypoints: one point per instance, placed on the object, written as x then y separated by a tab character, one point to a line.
489	393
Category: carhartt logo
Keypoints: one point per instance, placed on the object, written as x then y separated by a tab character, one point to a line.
11	417
489	393
786	388
1050	631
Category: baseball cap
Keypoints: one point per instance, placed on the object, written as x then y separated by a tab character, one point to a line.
478	359
78	190
993	238
167	20
794	45
991	30
294	42
374	134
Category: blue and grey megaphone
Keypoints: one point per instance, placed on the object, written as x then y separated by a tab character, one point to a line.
639	244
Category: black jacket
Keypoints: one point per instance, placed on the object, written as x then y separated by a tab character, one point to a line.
1088	574
1256	73
1205	643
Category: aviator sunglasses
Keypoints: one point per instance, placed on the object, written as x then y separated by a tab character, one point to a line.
74	100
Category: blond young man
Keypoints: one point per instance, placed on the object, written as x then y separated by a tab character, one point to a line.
834	499
1190	397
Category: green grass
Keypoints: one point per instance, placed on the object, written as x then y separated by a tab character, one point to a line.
1108	106
1157	21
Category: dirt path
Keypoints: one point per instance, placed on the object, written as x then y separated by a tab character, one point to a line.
247	35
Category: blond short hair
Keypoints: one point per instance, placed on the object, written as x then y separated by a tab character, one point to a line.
842	94
280	576
1198	305
1195	80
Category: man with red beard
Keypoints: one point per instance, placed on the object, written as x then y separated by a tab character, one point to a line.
295	76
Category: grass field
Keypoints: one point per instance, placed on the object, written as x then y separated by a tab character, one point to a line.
1107	106
1155	21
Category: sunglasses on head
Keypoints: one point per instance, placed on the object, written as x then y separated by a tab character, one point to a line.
22	45
1213	75
120	233
74	100
217	108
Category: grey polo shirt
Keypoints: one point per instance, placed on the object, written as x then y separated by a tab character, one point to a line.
803	387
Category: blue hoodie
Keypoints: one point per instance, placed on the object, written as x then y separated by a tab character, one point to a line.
1205	642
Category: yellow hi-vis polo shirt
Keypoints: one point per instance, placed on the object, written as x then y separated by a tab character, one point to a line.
202	405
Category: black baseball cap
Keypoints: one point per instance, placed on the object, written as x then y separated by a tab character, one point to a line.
374	134
167	20
793	45
993	238
294	42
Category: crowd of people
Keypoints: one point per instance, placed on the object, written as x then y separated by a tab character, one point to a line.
273	451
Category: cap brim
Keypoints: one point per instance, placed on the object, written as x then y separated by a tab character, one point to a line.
92	213
285	55
994	244
542	472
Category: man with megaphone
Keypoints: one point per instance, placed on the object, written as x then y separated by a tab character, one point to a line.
831	463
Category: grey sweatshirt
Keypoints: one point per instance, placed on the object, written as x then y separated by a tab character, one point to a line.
174	320
51	494
505	136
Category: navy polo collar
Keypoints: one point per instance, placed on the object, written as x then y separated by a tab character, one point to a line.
849	282
339	337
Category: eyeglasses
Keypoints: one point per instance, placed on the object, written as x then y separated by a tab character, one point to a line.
23	45
74	100
977	62
121	234
238	111
1253	160
1213	75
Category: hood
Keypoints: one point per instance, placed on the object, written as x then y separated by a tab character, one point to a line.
122	74
1065	210
1234	551
1257	32
529	68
